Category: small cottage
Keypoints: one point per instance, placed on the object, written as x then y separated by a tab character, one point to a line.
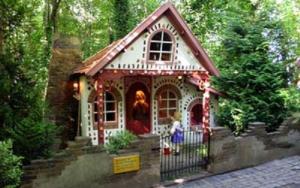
139	81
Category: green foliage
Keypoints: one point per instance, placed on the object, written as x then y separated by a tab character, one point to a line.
202	151
10	166
291	98
119	141
250	76
22	82
234	115
33	137
120	18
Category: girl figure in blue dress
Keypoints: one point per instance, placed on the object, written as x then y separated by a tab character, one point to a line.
177	135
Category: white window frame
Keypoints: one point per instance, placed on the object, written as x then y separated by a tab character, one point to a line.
110	111
161	51
168	99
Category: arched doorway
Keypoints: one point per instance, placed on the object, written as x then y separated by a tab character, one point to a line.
138	109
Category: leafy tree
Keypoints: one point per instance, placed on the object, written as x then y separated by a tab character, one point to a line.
10	166
249	75
120	18
23	76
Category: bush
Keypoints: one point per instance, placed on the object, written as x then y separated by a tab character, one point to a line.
10	166
291	98
235	116
33	139
119	141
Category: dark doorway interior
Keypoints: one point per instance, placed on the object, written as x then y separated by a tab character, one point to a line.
138	109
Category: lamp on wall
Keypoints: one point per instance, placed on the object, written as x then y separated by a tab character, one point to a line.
76	89
75	86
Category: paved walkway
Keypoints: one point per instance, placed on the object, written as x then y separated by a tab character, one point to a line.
279	173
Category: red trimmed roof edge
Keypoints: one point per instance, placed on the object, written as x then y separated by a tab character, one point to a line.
178	22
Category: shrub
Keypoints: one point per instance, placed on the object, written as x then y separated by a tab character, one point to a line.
291	98
235	116
10	166
119	141
33	139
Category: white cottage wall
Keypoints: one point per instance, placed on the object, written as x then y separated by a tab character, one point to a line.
86	111
87	122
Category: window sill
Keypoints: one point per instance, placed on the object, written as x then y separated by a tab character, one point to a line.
163	121
111	125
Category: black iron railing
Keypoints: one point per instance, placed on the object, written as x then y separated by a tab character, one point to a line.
187	158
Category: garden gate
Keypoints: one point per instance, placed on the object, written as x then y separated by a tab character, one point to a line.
192	158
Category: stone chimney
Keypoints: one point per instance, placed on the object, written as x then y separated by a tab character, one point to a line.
66	55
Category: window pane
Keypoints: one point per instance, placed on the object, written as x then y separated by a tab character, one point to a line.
171	112
109	97
167	47
96	117
155	46
95	107
172	103
172	95
165	57
163	104
167	37
110	116
157	36
110	106
164	95
154	56
163	113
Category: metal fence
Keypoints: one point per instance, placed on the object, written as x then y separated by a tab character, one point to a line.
192	157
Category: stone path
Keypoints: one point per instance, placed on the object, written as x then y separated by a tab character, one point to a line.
279	173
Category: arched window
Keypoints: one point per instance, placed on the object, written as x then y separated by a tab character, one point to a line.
161	47
167	104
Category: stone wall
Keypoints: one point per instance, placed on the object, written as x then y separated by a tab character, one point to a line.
254	147
91	166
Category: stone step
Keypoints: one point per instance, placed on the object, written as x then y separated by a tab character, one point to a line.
83	140
62	155
75	151
72	144
92	149
26	185
25	179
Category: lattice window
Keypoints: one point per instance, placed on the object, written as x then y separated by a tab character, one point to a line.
167	104
110	111
161	47
110	108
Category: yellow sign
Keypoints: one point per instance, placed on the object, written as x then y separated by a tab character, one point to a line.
126	163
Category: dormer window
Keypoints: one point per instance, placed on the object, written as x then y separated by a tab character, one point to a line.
161	47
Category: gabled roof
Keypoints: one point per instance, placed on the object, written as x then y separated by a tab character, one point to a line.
96	62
